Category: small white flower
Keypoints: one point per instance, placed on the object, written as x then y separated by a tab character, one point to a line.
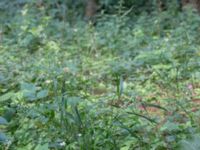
166	39
75	30
24	12
79	135
48	81
62	144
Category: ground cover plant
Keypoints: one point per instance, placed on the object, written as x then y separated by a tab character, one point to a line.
127	79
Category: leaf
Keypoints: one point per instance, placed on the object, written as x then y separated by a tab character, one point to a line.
170	138
3	121
9	114
6	96
3	138
170	126
42	147
191	144
42	94
73	101
28	87
29	91
2	78
125	148
128	143
121	85
29	146
30	95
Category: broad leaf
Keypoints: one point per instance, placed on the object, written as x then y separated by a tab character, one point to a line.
3	121
170	126
42	147
29	91
190	144
28	87
3	138
42	94
6	96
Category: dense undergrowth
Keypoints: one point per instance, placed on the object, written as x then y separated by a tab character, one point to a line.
125	83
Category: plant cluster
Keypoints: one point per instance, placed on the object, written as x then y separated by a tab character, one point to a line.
125	83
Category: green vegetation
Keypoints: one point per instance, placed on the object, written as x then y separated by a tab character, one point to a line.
130	80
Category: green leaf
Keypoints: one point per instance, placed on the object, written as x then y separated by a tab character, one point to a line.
125	148
42	94
42	147
128	143
29	146
191	144
6	96
170	126
29	91
10	114
28	87
2	78
30	95
73	101
3	138
3	121
170	138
